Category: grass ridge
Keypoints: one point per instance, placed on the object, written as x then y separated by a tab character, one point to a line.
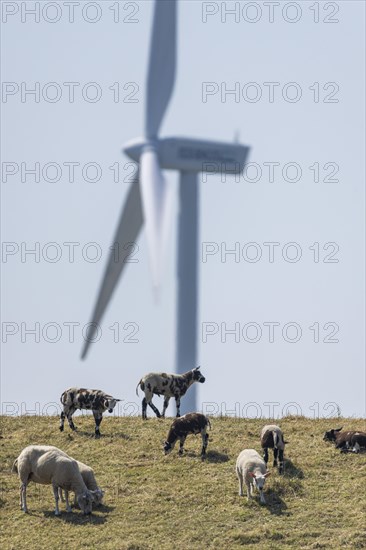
158	502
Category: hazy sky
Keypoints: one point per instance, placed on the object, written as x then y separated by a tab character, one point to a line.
297	70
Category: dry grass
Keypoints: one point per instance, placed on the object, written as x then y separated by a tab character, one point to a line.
158	502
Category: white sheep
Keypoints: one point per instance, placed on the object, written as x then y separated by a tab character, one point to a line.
49	465
88	476
251	468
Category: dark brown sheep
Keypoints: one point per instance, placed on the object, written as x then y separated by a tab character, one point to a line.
342	440
191	423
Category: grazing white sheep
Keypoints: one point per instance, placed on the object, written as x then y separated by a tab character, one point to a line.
251	469
50	466
88	476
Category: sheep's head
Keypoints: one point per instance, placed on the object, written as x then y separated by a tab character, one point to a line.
197	376
97	496
259	479
85	501
168	447
331	435
171	440
110	403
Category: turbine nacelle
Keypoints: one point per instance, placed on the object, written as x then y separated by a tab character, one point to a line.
186	154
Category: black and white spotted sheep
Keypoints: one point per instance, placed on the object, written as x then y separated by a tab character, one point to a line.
168	385
341	440
272	438
81	398
346	441
357	442
191	423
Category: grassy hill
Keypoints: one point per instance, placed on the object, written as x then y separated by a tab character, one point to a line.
158	502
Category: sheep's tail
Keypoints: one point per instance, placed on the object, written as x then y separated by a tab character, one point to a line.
209	423
278	439
14	469
142	386
63	398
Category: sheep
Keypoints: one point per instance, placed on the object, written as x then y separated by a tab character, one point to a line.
272	438
168	385
191	423
88	476
356	443
49	465
80	398
341	440
251	468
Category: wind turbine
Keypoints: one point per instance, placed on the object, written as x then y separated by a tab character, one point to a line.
149	199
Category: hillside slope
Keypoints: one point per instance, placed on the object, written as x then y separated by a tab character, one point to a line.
158	502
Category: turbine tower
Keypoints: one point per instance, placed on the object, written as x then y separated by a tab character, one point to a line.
150	198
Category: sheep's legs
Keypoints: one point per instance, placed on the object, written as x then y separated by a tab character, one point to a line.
69	414
23	497
204	444
98	417
249	491
177	401
181	445
280	469
144	407
55	493
166	403
155	409
240	477
145	402
275	454
265	455
68	507
62	421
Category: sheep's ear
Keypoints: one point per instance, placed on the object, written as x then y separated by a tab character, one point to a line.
267	474
286	442
251	474
338	429
198	368
118	400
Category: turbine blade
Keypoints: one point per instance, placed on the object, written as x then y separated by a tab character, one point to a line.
154	193
161	72
127	232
